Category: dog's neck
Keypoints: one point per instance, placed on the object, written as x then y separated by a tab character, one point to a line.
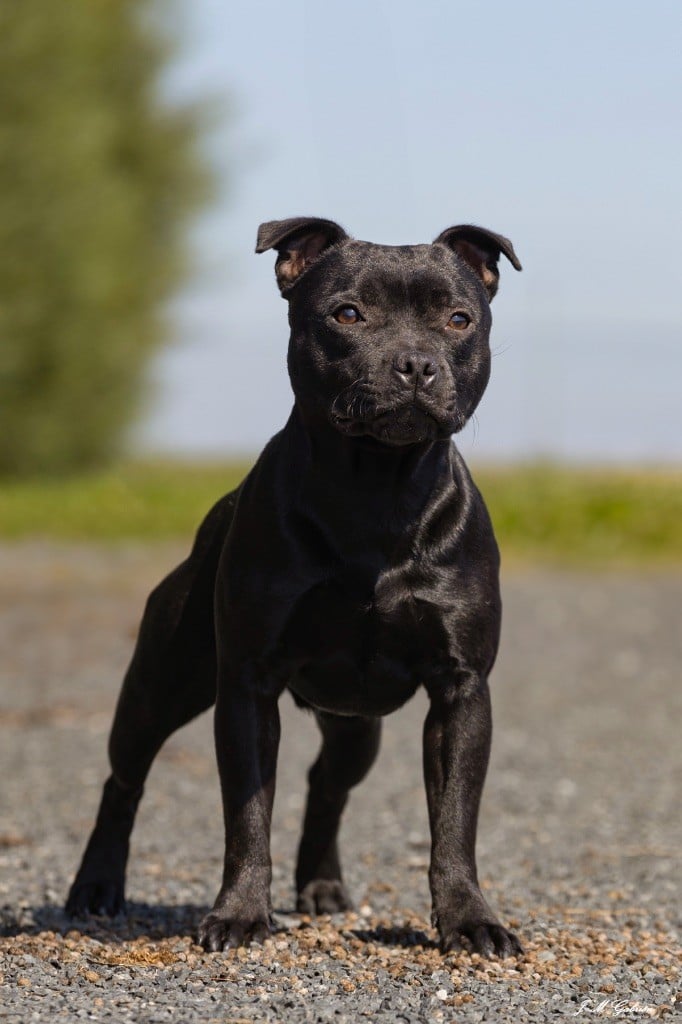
355	476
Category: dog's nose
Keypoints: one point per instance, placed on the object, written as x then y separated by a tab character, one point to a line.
415	369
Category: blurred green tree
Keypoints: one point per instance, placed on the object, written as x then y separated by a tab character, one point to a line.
98	179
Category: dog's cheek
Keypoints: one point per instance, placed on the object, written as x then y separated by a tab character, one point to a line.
471	375
310	373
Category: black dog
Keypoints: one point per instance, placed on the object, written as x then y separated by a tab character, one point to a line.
355	563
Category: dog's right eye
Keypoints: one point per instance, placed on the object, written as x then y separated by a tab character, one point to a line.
347	315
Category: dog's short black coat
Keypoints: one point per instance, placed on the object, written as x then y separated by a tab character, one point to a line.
355	563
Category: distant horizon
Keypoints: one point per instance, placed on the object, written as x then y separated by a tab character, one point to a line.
204	457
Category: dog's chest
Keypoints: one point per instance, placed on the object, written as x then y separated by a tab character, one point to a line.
357	650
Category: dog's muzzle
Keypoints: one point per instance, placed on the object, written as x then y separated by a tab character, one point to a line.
405	424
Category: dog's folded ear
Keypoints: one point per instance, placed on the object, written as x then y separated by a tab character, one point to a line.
481	250
299	241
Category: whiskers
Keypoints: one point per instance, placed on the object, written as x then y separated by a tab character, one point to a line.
354	402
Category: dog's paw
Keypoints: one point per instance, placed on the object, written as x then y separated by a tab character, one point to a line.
102	897
487	937
220	931
463	914
323	896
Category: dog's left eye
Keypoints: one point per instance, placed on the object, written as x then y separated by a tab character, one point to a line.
459	321
347	315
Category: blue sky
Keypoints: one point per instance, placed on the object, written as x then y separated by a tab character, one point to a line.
557	125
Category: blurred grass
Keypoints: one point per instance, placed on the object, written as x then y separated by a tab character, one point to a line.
134	500
541	513
587	517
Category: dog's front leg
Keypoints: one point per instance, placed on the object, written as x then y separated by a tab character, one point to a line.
457	734
247	731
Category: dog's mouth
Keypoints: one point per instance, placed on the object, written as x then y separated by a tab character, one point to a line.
403	425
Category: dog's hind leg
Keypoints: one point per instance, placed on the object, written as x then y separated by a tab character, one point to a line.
171	679
349	748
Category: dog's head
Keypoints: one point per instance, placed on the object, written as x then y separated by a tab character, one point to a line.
389	342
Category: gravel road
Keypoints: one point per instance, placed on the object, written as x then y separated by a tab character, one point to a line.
579	838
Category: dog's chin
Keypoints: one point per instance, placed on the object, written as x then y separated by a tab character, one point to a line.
395	428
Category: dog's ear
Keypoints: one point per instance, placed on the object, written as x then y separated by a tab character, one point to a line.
299	242
481	250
